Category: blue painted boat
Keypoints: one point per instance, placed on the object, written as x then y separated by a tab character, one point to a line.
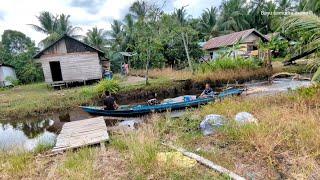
138	110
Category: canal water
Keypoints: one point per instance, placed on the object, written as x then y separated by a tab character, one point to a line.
26	134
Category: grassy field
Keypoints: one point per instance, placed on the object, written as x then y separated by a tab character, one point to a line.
284	144
35	99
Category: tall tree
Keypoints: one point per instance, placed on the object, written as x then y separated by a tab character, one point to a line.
233	16
96	37
181	16
15	42
17	50
54	27
116	35
208	26
258	20
129	32
139	9
285	5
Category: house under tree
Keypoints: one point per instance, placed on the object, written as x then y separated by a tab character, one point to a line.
69	60
247	41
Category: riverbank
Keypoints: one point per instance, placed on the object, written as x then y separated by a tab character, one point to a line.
284	144
36	99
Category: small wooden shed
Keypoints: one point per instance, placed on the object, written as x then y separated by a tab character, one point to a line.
70	60
6	71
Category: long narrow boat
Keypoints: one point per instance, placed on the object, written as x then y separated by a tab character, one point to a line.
138	110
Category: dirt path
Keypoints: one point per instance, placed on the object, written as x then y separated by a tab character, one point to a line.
134	80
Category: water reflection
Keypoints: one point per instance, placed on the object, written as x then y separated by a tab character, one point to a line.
25	135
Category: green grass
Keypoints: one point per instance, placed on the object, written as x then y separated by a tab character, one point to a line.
141	148
35	99
16	165
287	124
79	165
43	147
154	84
286	140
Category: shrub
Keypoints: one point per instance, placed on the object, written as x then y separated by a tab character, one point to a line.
107	85
229	63
103	86
12	80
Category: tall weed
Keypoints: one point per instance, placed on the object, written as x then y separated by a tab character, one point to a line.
227	64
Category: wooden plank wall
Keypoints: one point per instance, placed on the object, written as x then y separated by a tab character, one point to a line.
74	66
58	48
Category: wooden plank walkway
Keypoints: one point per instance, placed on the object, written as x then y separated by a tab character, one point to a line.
81	133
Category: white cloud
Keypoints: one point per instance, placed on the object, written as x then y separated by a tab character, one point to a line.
16	14
196	7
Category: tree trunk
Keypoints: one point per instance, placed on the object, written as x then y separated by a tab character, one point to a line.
187	51
147	67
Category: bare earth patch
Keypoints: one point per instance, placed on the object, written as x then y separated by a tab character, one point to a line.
111	164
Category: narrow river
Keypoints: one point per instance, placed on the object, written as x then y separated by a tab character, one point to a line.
26	134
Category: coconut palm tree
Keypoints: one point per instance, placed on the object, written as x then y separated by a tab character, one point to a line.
208	23
65	27
129	28
309	27
54	27
310	5
284	5
96	38
234	16
139	9
182	18
257	19
116	35
181	15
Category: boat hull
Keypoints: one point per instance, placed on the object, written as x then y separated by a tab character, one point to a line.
146	109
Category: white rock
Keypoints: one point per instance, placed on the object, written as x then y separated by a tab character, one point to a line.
129	124
245	117
211	123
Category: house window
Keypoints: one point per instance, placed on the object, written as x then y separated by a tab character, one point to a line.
252	47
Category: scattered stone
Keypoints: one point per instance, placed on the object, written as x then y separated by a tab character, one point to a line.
245	117
211	122
129	124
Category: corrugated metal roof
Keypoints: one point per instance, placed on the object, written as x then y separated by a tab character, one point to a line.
230	39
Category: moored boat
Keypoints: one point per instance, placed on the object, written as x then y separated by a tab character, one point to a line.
138	110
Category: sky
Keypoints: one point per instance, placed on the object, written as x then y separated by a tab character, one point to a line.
17	14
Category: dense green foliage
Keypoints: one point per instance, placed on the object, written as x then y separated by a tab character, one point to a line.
307	28
166	32
17	49
158	39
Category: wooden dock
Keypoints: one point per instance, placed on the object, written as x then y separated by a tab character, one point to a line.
81	133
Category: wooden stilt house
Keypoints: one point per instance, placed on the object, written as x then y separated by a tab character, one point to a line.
69	60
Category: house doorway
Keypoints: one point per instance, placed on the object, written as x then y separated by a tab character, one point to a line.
56	71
